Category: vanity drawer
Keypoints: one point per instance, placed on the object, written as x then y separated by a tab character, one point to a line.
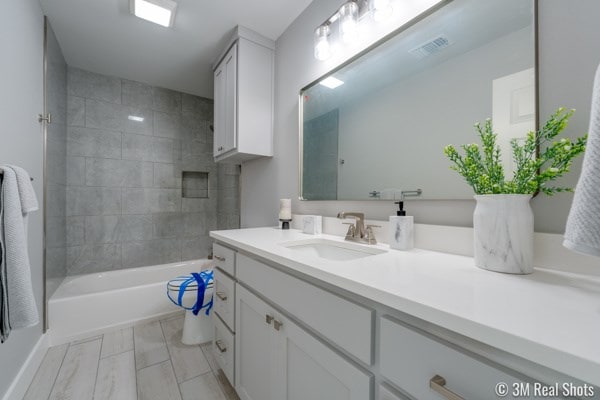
410	360
224	298
223	349
343	322
224	258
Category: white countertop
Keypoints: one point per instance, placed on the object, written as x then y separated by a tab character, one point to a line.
550	317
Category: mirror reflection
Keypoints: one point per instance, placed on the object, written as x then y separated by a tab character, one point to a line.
378	125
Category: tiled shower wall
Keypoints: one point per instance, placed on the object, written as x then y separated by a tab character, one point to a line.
56	158
127	145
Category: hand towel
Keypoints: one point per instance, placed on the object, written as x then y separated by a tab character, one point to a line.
17	200
582	233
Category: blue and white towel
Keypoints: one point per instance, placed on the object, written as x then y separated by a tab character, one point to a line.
17	303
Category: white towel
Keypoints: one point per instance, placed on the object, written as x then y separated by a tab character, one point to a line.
18	199
583	226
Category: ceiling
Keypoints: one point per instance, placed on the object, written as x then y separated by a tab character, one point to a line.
102	36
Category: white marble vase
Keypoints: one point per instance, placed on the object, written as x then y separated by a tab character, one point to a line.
503	233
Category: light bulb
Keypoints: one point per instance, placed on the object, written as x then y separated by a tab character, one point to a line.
349	22
380	9
322	47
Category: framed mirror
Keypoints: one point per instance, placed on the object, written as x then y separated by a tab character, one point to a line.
383	128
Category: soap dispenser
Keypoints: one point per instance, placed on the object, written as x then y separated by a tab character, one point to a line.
401	229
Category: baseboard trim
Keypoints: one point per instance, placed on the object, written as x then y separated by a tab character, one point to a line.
21	383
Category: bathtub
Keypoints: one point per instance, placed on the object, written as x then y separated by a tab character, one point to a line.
86	305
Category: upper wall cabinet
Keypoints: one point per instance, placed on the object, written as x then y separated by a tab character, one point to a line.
244	98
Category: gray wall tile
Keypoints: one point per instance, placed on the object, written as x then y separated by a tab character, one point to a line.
167	225
196	248
93	201
76	171
146	148
166	100
144	201
167	125
167	176
200	106
118	173
93	258
124	190
75	111
99	114
193	127
93	86
56	232
93	143
75	231
116	229
151	252
136	94
55	200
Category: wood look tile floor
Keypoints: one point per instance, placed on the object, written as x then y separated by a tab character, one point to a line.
145	362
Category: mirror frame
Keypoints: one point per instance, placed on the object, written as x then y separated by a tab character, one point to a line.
383	40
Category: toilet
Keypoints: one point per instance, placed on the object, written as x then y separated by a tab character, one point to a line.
194	293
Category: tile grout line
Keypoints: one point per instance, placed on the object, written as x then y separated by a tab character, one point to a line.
59	368
170	358
98	367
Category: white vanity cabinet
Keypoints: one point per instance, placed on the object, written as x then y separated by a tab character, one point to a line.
243	98
278	360
423	366
224	309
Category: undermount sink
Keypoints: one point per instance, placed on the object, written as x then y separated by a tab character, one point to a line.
331	249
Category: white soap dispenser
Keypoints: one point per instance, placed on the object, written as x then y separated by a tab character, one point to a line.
401	229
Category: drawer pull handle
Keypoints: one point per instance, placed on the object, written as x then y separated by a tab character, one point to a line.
222	348
438	384
277	325
269	319
222	296
222	259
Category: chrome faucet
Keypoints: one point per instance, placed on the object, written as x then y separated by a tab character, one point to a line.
357	231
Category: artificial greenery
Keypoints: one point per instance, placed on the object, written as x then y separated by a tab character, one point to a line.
483	170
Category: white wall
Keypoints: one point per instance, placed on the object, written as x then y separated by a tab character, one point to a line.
569	55
21	47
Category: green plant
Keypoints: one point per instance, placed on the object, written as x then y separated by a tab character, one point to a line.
483	170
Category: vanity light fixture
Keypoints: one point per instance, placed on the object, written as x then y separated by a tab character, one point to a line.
348	16
380	9
135	118
322	46
331	82
161	12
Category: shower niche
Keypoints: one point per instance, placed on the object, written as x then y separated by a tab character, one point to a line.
194	184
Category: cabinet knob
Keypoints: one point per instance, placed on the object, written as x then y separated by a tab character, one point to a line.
219	258
277	325
269	319
438	384
220	346
222	296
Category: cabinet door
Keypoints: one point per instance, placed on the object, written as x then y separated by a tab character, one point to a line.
230	70
254	357
219	109
307	369
225	103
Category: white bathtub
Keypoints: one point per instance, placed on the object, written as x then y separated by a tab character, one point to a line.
85	305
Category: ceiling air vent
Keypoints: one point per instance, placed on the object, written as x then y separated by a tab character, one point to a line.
431	47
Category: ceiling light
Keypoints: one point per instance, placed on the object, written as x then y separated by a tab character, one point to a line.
135	118
349	21
380	9
161	12
331	82
322	47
